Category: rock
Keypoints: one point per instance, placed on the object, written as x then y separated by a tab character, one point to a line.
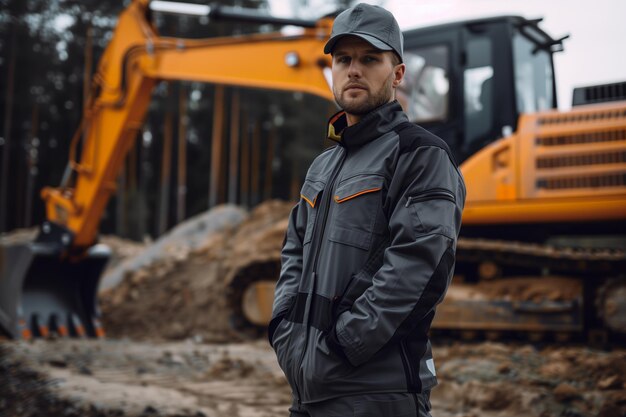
150	410
527	350
83	370
555	369
58	363
488	396
611	382
614	404
504	368
566	392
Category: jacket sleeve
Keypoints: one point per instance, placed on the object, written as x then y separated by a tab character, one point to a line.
291	267
425	200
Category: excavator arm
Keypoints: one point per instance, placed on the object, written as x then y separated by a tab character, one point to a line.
51	283
135	60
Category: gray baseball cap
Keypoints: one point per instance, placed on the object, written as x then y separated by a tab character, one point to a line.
371	23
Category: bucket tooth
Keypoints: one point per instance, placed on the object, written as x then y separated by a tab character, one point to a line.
58	325
77	329
23	332
97	328
39	328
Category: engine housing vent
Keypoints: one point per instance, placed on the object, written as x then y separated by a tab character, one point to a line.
587	181
595	158
599	93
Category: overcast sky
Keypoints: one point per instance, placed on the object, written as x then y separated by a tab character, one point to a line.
595	53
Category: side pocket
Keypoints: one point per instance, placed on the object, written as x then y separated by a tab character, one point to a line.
360	281
279	334
357	286
280	316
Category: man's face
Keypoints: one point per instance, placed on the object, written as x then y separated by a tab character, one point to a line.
364	77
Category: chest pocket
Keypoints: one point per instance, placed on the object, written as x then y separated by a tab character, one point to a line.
311	193
356	205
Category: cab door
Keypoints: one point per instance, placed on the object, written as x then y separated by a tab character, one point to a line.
458	83
488	90
432	78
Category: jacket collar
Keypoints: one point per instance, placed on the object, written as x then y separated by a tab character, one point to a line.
373	125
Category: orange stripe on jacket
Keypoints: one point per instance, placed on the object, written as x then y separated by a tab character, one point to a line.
311	203
341	200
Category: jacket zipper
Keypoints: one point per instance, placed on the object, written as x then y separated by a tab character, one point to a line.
432	194
325	204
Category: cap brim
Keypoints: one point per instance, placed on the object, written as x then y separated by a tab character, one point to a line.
375	42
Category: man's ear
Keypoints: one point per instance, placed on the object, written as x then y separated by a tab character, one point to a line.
398	74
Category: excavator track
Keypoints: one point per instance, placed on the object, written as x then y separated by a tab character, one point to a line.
569	259
535	293
505	289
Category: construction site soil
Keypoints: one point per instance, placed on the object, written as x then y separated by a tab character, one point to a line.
171	350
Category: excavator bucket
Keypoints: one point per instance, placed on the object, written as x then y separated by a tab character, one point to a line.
43	293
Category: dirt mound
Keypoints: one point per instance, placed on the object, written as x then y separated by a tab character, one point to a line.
121	249
191	235
181	292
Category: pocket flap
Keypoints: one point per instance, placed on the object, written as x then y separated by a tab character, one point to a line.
356	186
310	191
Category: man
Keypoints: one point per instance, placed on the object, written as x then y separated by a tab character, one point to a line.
370	247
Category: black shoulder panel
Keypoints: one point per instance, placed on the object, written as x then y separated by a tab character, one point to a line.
412	136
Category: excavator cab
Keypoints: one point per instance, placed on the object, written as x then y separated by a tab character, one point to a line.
468	82
45	291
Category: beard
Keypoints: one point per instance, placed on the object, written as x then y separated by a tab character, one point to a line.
373	99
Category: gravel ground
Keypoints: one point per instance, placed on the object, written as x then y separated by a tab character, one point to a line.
130	378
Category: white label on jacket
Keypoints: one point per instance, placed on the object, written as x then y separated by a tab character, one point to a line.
430	364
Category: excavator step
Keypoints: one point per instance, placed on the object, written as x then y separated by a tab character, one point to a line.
43	293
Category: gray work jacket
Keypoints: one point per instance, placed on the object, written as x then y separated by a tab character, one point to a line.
368	254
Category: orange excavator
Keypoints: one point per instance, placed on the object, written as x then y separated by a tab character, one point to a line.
546	189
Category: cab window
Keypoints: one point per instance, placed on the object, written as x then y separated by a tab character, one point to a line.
478	89
424	91
533	76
